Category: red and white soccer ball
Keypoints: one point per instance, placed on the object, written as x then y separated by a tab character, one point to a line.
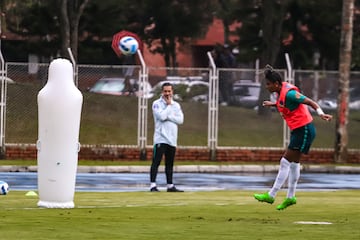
128	45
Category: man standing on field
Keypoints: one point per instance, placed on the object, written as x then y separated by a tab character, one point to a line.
167	116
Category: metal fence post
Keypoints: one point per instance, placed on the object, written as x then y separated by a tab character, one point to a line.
3	107
75	67
213	108
142	108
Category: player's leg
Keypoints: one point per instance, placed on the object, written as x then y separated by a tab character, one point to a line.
291	155
169	163
294	175
169	168
158	152
282	175
301	140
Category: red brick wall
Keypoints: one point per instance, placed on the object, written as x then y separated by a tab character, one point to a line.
28	151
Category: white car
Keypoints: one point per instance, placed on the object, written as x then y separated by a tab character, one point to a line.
354	101
8	80
195	90
119	86
328	103
354	105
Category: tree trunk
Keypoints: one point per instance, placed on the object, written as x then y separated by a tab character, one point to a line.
341	143
172	52
64	28
70	13
225	20
165	47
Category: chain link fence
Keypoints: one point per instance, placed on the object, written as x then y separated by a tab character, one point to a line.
110	111
191	88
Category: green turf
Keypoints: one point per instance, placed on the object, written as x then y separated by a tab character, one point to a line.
190	215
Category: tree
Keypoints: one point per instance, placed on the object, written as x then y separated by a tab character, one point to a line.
225	12
344	76
42	22
70	13
261	36
313	27
273	13
174	22
355	58
308	27
24	18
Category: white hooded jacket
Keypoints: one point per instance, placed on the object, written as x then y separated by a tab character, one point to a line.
166	118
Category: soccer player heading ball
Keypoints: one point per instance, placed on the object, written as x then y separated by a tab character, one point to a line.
291	105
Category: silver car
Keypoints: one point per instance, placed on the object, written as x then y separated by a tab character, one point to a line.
119	86
245	93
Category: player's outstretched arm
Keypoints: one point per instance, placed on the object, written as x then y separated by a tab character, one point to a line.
317	108
268	104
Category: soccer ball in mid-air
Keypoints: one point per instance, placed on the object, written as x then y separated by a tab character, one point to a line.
128	45
4	188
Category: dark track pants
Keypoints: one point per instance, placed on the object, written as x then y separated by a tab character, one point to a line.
159	150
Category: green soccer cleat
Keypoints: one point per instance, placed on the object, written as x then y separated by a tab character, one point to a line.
286	203
264	197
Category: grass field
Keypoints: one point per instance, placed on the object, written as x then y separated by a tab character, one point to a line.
190	215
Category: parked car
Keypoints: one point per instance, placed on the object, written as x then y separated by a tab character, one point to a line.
7	80
354	102
245	93
330	102
119	86
185	90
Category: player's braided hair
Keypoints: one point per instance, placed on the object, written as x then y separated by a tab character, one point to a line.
272	75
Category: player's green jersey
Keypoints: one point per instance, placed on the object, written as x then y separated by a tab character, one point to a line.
293	99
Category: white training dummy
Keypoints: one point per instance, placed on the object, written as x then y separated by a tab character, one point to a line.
59	109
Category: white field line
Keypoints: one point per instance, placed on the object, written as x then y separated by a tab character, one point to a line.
311	222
